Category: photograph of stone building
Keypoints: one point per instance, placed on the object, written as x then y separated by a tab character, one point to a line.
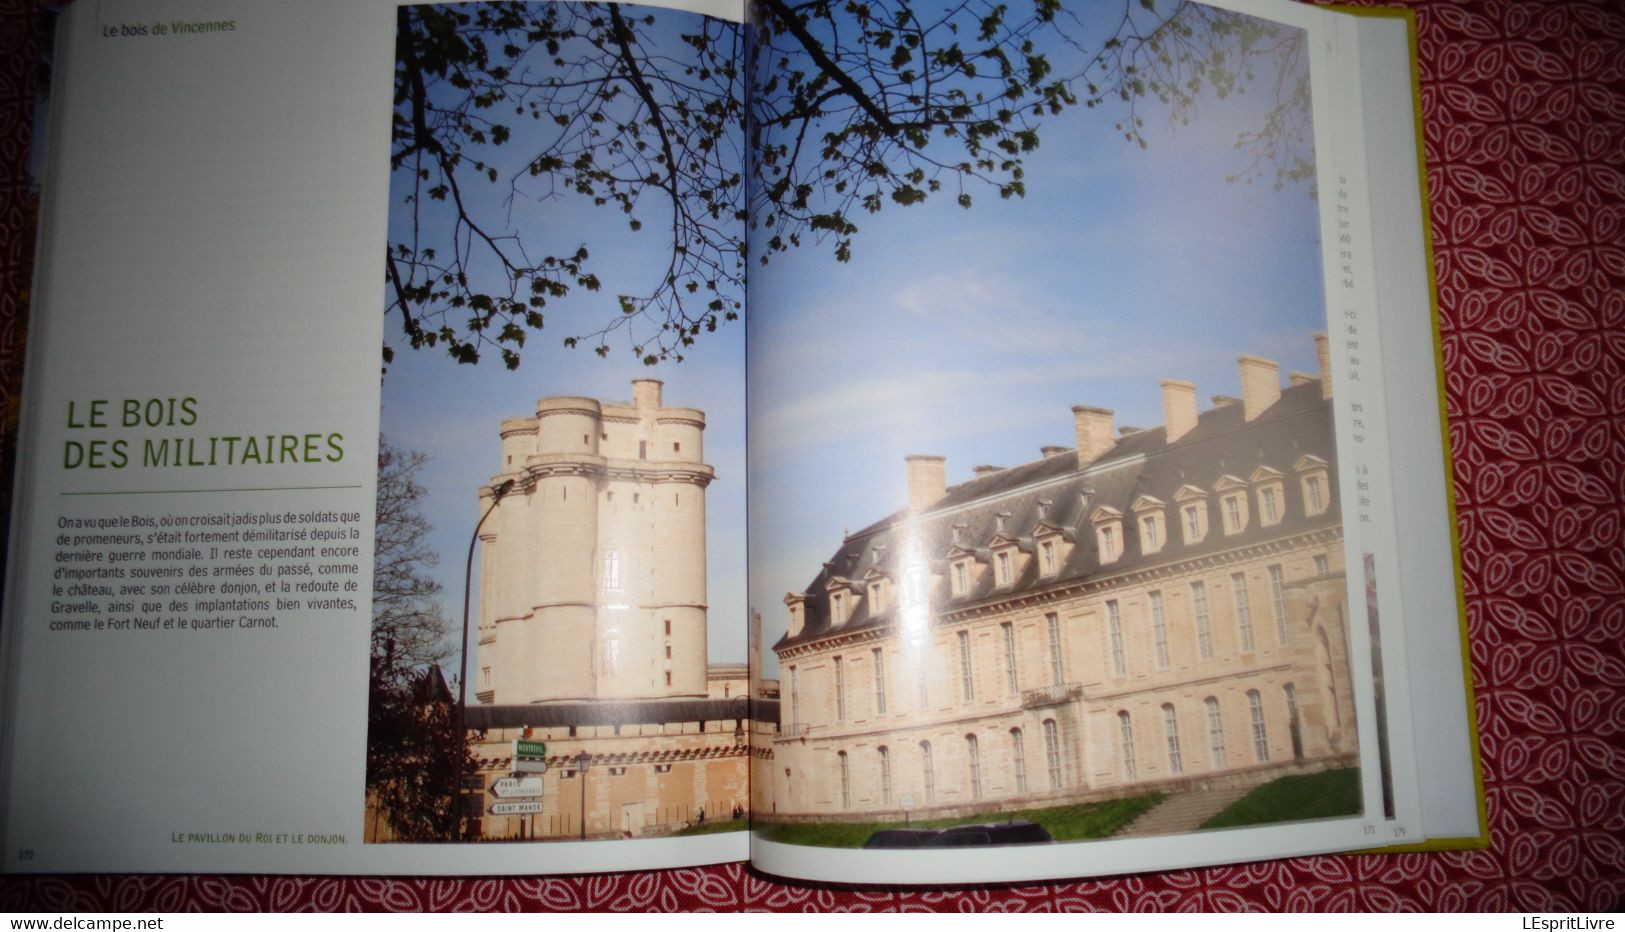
1153	610
592	628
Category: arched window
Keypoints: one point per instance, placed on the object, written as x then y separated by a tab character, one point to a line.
973	758
928	771
1170	727
1125	725
1215	734
1294	726
885	776
1018	754
846	781
1261	737
1052	753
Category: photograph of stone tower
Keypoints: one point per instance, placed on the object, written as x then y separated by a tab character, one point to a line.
592	628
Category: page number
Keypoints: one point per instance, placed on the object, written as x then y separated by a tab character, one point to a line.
25	854
1369	828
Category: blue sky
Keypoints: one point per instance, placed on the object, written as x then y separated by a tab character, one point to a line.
971	333
964	333
452	412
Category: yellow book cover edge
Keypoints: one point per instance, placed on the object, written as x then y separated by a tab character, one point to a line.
1482	840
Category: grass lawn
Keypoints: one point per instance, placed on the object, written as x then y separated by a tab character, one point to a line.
1290	799
711	828
1064	823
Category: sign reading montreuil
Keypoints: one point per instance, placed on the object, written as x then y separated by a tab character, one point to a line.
529	756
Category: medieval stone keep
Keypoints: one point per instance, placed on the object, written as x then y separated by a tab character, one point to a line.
1153	609
592	629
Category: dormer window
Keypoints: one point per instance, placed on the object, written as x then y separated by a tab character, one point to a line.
914	587
877	594
795	604
837	608
1108	523
961	577
1233	509
1192	504
1001	568
1149	511
1048	563
1268	488
1315	479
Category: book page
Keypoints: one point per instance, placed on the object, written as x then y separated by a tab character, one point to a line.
1059	538
355	415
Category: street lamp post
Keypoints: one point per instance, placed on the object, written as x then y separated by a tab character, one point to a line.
461	724
581	774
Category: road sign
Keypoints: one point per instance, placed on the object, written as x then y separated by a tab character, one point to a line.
511	787
517	808
906	802
529	756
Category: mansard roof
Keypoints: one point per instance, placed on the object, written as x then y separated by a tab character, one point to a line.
1296	427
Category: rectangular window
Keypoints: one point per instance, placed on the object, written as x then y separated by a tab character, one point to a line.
967	686
880	681
793	717
1312	484
1170	726
1057	675
1009	631
1108	542
662	768
961	579
1244	611
840	690
846	781
837	609
1052	753
885	777
1002	565
1019	756
1046	552
643	449
1159	630
1322	567
974	757
668	627
875	605
1148	530
1193	524
612	569
1204	631
1125	726
1215	734
1267	497
1114	622
1278	598
1232	513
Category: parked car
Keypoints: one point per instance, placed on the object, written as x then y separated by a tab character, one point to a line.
1015	832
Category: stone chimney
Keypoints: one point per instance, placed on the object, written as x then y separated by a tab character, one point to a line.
1094	432
646	394
927	480
1323	353
1260	384
1178	407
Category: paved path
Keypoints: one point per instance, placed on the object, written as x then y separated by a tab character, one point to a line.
1182	812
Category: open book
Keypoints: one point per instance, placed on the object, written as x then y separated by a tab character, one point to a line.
591	577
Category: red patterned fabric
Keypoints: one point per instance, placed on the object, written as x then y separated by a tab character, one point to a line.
1524	119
